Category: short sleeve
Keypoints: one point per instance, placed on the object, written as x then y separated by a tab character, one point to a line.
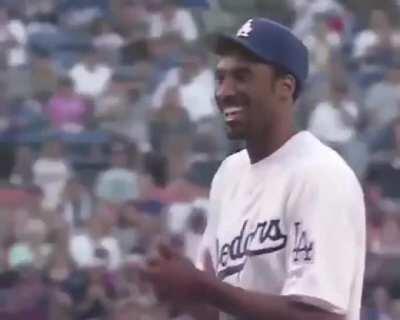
155	26
325	219
189	30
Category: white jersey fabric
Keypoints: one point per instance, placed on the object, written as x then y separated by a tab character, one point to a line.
291	224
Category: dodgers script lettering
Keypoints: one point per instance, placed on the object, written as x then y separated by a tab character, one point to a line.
265	238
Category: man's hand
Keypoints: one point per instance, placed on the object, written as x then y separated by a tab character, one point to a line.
174	277
177	280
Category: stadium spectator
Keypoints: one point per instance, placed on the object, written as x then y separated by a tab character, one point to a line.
13	39
30	248
39	8
173	19
51	172
382	101
133	20
335	121
164	53
139	228
171	131
90	76
112	105
119	183
195	84
203	164
43	74
379	40
196	224
154	179
306	11
105	37
67	110
26	116
76	205
384	168
321	43
22	172
96	246
81	13
107	42
123	109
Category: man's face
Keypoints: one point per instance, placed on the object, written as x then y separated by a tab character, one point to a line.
91	59
132	14
245	95
169	11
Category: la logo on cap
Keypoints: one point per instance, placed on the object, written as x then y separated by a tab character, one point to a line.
246	29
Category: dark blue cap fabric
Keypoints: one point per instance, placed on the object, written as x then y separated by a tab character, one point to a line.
273	43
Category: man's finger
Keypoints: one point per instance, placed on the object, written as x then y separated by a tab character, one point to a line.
153	261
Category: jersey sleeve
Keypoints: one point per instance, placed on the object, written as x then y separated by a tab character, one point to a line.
326	238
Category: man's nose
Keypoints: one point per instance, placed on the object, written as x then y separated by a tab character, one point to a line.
225	89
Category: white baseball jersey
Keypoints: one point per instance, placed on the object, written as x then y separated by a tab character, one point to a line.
291	224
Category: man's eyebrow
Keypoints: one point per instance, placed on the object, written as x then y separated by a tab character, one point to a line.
238	69
242	69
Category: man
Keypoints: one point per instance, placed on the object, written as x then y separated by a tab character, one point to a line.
119	183
286	236
91	77
334	120
173	18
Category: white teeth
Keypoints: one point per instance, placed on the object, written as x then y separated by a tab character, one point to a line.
232	113
230	110
229	118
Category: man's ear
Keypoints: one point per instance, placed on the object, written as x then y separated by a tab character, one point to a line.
286	86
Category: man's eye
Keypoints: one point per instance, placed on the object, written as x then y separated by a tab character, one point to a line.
219	78
241	76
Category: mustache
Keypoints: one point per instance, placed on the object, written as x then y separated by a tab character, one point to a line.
231	100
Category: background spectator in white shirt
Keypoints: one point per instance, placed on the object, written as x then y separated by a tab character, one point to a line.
380	35
321	42
107	41
119	183
51	172
90	76
334	121
173	18
382	101
96	246
195	82
13	39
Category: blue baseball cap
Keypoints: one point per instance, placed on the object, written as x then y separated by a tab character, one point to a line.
271	42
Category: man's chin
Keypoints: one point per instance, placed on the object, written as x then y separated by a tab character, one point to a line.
234	135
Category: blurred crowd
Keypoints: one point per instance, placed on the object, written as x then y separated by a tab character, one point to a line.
111	136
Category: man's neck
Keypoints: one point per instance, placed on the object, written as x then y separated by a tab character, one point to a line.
259	149
91	67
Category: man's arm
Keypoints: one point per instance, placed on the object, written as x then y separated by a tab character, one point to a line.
253	305
198	311
176	279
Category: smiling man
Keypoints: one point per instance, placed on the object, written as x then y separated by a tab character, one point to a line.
286	235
